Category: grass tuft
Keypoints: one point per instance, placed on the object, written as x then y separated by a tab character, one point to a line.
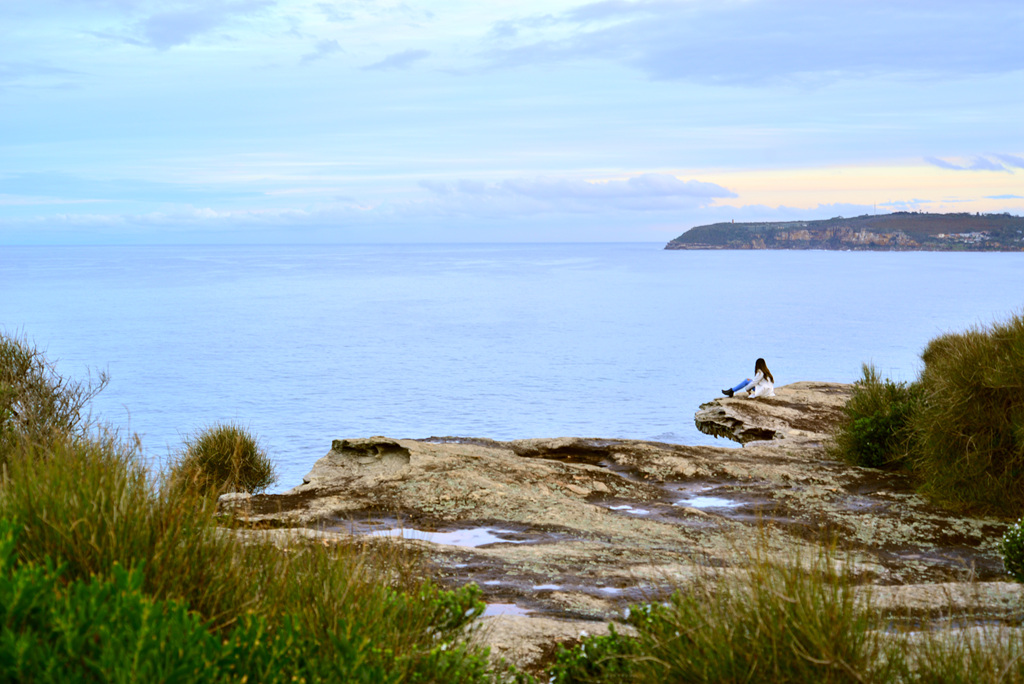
223	458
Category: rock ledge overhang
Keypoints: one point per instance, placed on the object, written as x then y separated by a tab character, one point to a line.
805	411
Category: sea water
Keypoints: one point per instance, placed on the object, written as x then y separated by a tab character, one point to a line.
306	344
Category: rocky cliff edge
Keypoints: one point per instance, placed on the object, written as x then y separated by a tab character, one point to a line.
563	534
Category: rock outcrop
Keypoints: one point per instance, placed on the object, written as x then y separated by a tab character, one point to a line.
572	530
804	411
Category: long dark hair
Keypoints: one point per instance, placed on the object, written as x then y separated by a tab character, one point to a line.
760	365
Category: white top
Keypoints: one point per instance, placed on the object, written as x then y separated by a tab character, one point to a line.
761	385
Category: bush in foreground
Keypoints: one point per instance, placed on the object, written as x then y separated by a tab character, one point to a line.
88	507
798	621
108	629
37	405
876	427
107	555
958	430
1012	548
221	458
969	430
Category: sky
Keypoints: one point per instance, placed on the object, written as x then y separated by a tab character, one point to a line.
379	121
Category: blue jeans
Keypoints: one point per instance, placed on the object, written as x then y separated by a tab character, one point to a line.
742	385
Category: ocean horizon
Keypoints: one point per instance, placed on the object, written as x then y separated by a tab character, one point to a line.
309	343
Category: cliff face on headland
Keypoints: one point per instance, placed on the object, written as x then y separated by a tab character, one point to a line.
902	231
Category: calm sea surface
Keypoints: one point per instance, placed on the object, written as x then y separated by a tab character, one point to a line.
313	343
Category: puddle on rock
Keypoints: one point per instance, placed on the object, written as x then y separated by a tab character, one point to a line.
468	534
704	495
701	502
626	508
863	504
473	537
504	609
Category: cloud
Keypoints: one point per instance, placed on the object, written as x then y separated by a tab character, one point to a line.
915	204
437	187
978	164
399	60
65	188
324	48
353	222
982	164
504	29
24	201
649	185
1004	196
35	74
165	25
1012	160
943	164
180	26
766	41
647	192
333	14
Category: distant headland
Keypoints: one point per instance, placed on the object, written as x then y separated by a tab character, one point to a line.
901	231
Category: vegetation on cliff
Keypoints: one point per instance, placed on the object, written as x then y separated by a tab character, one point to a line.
900	231
108	575
807	620
37	405
958	429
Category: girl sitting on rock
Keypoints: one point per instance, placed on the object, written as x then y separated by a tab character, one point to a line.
762	384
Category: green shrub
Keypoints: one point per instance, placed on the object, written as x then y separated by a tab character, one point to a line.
89	507
876	428
109	630
1012	548
351	611
38	405
958	430
223	458
969	428
359	605
798	622
779	623
801	621
100	629
103	630
608	658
